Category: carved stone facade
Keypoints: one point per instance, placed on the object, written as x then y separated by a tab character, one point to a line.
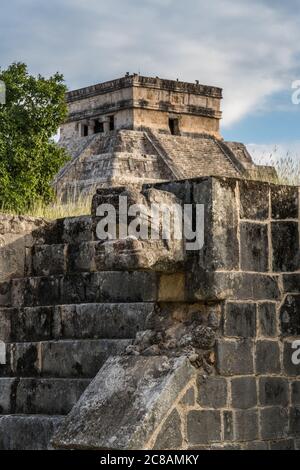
139	129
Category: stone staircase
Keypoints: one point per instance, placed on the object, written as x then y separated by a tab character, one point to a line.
62	322
118	157
193	156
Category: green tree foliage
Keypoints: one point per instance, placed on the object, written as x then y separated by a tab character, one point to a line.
29	158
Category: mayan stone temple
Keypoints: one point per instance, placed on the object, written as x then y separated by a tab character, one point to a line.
143	130
143	343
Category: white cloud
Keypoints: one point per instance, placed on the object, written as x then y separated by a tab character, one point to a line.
250	48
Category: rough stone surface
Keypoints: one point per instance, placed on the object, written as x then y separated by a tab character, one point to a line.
267	357
71	302
246	425
296	393
27	432
274	422
212	392
254	200
285	243
204	426
284	202
273	391
170	436
125	403
240	320
235	357
243	392
267	317
255	252
290	316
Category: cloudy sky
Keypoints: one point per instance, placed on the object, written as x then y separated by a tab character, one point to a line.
250	48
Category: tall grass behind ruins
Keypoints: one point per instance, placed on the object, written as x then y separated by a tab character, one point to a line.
287	167
59	209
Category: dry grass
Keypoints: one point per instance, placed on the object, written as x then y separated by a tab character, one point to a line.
287	167
60	209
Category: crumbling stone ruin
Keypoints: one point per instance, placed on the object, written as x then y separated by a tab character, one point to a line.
112	345
129	343
137	129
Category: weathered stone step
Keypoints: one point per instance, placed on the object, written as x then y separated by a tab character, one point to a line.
82	321
61	359
40	396
96	256
109	286
66	230
20	432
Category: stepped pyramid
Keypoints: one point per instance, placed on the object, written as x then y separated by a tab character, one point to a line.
137	130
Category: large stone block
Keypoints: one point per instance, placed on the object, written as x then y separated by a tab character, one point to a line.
48	396
31	324
291	283
96	321
267	357
5	294
254	247
170	436
7	395
81	257
122	287
27	432
228	425
235	357
81	358
296	392
246	425
274	422
284	202
125	404
285	244
295	421
240	320
221	247
73	288
212	392
172	287
267	318
12	259
273	391
254	200
243	392
290	316
48	260
77	229
26	359
5	323
35	291
231	286
203	426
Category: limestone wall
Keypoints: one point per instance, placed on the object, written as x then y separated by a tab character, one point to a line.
250	264
244	393
208	363
139	102
17	233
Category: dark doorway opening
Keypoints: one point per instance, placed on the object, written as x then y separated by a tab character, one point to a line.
85	130
174	126
111	123
98	127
